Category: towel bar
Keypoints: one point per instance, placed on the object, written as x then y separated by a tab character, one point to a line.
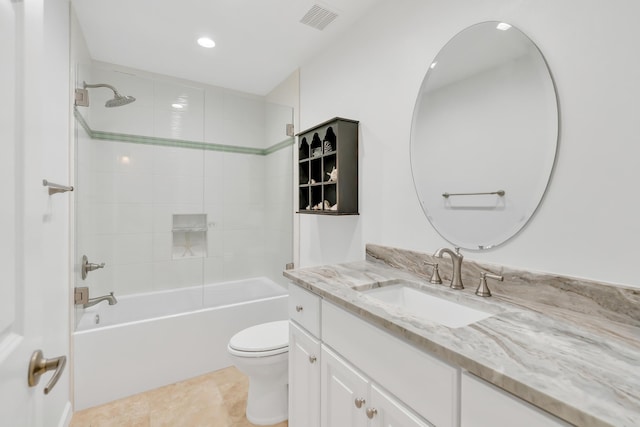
56	188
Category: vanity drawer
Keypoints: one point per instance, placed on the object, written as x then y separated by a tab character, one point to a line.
423	382
304	308
480	401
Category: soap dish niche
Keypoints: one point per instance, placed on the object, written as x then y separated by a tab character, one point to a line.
189	236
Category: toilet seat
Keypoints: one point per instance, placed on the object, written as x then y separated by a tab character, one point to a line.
267	339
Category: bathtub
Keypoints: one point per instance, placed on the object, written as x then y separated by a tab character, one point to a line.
154	339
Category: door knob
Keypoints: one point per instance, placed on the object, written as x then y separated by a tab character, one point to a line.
371	412
359	402
39	365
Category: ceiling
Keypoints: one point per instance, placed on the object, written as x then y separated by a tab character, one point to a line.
259	43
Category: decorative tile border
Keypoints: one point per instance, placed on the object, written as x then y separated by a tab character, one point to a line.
181	143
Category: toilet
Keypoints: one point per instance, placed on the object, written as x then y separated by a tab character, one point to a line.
262	353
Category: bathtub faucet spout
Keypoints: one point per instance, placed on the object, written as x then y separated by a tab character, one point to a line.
93	301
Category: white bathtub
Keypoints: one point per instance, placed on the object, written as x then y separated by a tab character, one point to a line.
154	339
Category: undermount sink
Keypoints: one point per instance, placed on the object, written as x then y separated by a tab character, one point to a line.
432	308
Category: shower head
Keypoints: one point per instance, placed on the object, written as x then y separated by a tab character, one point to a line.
119	100
82	96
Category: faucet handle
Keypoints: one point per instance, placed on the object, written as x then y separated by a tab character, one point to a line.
435	276
483	289
87	266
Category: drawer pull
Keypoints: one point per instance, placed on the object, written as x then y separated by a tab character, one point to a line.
312	359
359	402
298	308
371	412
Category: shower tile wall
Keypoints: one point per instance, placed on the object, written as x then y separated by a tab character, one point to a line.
128	193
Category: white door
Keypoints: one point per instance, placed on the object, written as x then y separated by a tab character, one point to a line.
22	206
343	393
19	334
304	378
391	413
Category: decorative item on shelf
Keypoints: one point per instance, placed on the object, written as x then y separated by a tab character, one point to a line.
333	175
334	207
312	181
329	139
308	208
326	205
189	236
316	152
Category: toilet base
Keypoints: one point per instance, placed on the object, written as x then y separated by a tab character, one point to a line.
267	404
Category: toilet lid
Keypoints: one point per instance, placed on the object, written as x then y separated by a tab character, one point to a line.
264	337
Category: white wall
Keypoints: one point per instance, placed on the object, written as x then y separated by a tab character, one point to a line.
587	224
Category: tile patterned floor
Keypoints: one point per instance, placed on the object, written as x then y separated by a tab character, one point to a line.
217	399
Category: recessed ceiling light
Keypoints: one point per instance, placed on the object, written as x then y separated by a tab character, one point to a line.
206	42
503	26
177	106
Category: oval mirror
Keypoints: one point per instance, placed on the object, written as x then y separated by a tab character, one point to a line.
484	135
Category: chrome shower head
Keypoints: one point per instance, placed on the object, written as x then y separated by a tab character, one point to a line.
118	100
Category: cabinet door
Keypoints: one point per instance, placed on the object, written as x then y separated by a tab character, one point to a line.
343	390
485	405
304	378
385	411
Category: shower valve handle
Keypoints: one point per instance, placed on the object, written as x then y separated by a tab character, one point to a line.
89	266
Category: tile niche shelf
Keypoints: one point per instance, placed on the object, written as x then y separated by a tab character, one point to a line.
328	168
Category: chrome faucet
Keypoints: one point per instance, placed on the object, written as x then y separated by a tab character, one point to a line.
93	301
456	260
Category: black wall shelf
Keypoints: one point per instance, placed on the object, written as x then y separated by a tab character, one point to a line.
328	168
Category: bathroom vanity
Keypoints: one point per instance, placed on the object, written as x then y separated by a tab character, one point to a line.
359	359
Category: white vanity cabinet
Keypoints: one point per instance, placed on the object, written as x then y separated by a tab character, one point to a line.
486	405
427	385
304	358
304	378
351	399
391	413
346	372
344	393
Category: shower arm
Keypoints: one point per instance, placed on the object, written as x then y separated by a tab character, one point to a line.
85	85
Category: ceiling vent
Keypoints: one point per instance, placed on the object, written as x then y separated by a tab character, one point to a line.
318	17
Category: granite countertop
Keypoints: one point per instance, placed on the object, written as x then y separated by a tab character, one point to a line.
582	368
